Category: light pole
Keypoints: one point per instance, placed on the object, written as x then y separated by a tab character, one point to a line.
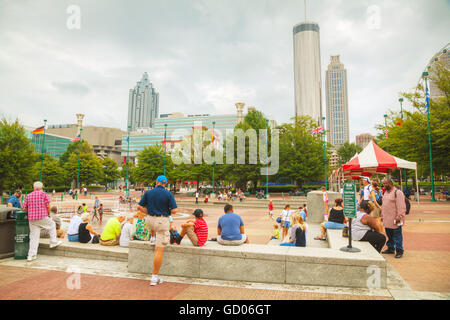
386	132
213	164
267	156
42	152
165	134
128	155
79	153
427	97
401	115
324	153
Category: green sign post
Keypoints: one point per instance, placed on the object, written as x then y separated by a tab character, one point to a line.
350	212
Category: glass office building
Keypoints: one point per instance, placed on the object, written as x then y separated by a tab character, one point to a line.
55	145
178	127
337	103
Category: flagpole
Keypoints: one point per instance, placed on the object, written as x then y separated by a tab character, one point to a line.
214	123
324	153
425	76
165	134
79	153
42	152
267	156
401	115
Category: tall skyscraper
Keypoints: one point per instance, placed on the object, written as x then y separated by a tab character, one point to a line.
337	103
307	71
143	104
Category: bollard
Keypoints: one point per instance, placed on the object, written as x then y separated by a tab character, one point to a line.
62	197
1	200
22	237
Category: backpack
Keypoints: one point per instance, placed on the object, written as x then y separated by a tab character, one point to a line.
407	203
379	197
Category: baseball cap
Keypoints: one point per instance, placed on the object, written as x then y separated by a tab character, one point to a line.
161	179
366	178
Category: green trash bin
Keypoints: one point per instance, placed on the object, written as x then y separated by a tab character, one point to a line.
22	236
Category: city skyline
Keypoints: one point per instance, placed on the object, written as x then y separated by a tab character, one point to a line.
206	56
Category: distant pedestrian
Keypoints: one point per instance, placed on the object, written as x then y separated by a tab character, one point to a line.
393	216
100	212
271	210
286	220
37	203
159	204
325	202
196	197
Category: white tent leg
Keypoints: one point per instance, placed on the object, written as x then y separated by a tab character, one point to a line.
418	198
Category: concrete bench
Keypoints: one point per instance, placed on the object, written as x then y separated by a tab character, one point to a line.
260	263
337	241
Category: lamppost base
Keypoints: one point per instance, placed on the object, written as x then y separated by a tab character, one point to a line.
350	249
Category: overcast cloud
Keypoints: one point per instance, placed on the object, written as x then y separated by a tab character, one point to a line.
204	56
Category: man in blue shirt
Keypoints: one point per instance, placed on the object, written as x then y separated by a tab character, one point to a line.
230	228
159	204
14	201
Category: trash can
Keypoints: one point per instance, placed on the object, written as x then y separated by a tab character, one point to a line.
22	237
7	230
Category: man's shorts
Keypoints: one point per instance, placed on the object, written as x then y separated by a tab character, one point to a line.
192	235
111	242
232	242
160	225
287	224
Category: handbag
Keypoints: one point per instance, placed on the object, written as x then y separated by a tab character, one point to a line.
95	239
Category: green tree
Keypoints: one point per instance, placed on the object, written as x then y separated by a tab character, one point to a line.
347	151
73	148
110	171
301	154
90	168
151	164
53	175
17	156
409	140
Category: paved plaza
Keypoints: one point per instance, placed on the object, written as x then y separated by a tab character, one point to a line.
422	273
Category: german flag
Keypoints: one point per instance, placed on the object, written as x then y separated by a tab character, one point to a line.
39	130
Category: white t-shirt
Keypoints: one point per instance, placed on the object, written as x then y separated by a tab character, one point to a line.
358	228
74	225
367	192
125	235
286	215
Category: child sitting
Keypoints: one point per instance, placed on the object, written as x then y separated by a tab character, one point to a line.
276	232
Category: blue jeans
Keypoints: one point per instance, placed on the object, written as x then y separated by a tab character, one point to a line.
73	238
395	239
287	244
333	225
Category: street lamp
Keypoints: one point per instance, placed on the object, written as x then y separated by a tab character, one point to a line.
427	97
401	107
324	153
128	155
42	152
267	157
79	153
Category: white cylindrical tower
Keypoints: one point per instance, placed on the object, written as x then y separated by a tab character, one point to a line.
240	111
307	71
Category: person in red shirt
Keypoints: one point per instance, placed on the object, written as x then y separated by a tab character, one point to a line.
270	209
196	230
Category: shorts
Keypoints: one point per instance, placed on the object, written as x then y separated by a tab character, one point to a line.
192	235
73	238
286	224
161	226
111	242
232	242
333	225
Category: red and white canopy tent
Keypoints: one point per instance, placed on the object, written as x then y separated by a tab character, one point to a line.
374	160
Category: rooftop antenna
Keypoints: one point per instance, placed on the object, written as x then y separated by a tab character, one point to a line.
305	10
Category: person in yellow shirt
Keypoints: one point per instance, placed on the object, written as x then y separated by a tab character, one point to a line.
276	232
111	233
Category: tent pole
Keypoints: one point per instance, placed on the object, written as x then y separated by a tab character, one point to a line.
418	198
401	181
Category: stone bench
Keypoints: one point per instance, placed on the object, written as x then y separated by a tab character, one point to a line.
337	241
260	263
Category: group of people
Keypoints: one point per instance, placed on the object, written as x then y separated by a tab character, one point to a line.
295	220
223	195
378	209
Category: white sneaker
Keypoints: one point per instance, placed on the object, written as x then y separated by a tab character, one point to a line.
31	258
156	281
152	240
54	245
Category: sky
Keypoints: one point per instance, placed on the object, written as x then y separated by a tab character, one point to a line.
203	56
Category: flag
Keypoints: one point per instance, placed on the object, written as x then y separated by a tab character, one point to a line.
386	133
427	101
317	131
39	130
77	138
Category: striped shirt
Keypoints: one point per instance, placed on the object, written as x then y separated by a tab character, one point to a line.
36	204
201	230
